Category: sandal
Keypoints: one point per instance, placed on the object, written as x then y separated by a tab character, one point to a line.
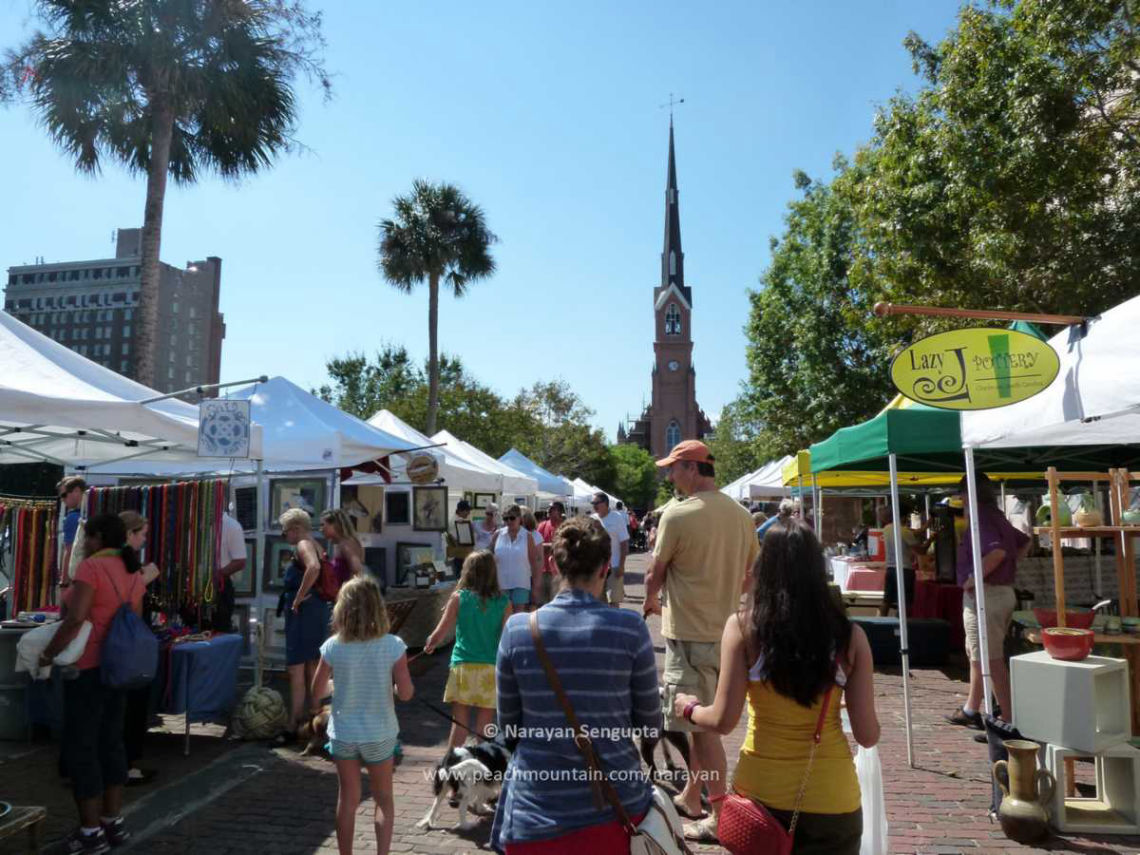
703	831
684	811
960	717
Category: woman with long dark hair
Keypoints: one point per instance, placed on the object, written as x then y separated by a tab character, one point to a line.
788	653
93	712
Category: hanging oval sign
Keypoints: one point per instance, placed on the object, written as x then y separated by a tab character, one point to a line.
975	369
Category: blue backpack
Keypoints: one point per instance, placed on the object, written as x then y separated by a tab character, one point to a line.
130	650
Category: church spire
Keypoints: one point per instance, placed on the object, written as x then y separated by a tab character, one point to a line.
672	258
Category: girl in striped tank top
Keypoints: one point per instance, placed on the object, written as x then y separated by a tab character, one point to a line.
368	665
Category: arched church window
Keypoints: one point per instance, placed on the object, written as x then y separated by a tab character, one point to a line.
672	320
672	263
672	434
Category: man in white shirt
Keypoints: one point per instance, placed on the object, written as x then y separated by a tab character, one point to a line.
618	530
231	560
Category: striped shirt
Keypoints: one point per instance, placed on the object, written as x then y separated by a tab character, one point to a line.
362	708
605	660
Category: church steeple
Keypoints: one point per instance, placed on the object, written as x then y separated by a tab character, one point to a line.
672	258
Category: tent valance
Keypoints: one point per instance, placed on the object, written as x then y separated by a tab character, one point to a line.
548	482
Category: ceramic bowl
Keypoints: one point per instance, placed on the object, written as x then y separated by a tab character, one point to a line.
1131	516
1077	618
1088	519
1071	645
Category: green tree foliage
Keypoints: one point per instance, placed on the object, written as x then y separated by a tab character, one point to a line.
635	475
167	88
736	445
816	359
438	234
557	433
548	422
1009	180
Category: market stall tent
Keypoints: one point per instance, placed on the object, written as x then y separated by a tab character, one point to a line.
457	473
548	483
515	483
60	407
765	482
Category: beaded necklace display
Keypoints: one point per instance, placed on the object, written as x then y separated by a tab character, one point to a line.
31	527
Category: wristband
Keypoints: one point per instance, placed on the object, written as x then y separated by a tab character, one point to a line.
687	713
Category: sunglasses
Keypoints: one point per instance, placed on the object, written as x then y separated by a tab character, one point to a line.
509	519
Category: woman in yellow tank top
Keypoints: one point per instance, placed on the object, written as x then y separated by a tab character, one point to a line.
782	654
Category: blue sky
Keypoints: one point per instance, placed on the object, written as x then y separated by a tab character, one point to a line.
547	114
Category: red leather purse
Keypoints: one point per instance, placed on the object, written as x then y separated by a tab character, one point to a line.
745	826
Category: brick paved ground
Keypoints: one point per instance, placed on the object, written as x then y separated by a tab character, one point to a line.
279	802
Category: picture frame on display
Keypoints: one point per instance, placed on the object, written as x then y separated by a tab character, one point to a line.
243	579
397	507
245	507
464	532
308	494
273	634
409	556
429	508
241	616
482	500
278	554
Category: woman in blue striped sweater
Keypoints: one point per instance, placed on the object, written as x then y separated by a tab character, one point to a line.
604	659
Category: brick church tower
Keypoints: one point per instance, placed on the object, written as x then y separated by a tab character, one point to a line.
673	413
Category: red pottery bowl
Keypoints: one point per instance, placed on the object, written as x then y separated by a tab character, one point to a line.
1067	643
1077	619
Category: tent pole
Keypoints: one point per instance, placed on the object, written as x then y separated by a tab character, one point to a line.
262	517
1096	543
901	579
979	584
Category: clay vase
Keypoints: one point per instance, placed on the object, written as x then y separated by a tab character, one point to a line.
1026	790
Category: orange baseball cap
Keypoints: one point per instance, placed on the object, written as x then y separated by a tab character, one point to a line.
691	449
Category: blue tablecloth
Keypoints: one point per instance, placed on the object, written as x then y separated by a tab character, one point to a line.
203	677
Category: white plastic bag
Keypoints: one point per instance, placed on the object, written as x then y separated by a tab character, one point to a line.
870	773
35	641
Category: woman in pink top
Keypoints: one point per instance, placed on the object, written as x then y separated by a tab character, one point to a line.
93	713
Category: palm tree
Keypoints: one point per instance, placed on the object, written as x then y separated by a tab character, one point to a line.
438	233
168	88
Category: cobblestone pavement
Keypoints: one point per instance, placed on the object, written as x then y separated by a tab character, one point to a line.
275	801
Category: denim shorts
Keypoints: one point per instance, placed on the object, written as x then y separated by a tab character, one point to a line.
519	596
369	753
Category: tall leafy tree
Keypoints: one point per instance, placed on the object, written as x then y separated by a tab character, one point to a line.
557	433
737	444
635	477
169	88
437	234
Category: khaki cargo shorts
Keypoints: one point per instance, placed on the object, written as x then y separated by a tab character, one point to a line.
691	668
1000	605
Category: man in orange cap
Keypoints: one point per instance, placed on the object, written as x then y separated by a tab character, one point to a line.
705	549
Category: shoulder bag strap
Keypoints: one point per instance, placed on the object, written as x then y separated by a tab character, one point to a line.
815	740
581	740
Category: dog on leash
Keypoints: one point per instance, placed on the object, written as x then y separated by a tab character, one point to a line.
472	774
315	732
680	742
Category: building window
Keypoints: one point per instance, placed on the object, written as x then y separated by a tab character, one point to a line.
672	434
174	307
127	314
126	348
192	312
672	322
124	366
672	263
126	330
170	373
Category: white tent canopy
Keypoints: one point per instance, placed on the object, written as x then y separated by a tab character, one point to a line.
548	482
767	481
585	491
301	432
457	473
515	483
1098	378
58	406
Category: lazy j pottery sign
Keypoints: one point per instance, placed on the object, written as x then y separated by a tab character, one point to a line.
975	369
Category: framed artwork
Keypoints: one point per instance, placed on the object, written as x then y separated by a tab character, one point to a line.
241	616
245	507
482	500
273	634
429	509
409	556
364	505
469	497
376	562
464	532
308	494
278	554
398	507
243	579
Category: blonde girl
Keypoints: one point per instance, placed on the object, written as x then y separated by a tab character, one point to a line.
347	553
476	611
367	664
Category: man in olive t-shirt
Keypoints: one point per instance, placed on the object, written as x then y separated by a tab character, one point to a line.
703	555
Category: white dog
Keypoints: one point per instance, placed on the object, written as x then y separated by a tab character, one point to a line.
472	774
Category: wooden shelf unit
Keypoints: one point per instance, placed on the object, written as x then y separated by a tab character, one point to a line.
1119	486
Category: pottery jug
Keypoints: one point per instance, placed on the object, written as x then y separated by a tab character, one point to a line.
1025	792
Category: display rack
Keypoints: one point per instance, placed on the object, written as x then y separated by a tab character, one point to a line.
1119	485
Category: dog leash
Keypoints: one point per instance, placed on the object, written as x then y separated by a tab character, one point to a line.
442	713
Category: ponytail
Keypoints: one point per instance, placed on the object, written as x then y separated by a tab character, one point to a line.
130	558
